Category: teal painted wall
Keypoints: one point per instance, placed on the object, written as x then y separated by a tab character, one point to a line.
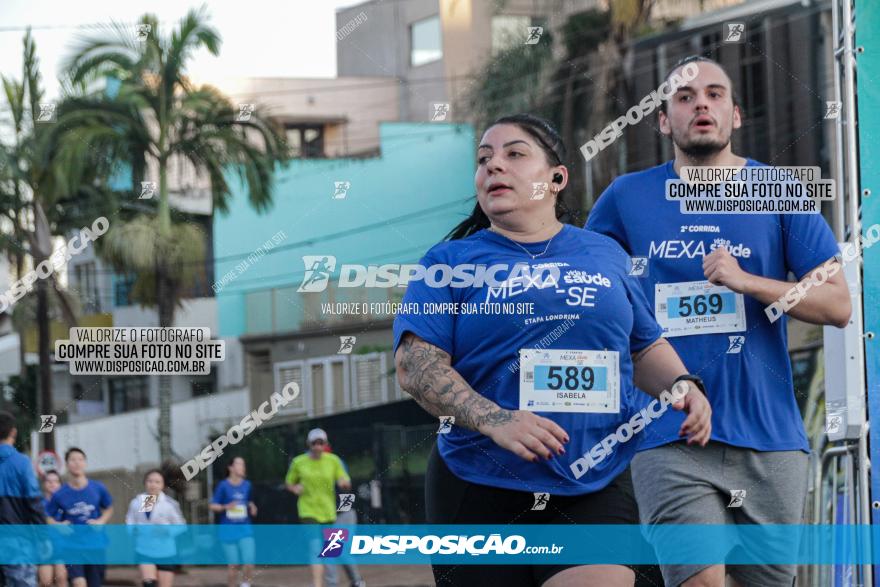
868	35
425	171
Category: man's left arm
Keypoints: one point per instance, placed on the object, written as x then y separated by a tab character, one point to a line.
823	301
105	504
342	478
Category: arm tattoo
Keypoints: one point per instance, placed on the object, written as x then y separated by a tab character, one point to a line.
641	354
426	373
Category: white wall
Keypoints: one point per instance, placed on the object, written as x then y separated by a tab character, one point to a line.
127	441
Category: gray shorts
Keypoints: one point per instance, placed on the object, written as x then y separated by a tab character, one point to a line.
680	484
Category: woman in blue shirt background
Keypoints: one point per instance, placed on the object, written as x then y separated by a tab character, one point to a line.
234	508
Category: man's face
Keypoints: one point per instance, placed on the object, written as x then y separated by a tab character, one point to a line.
76	463
700	116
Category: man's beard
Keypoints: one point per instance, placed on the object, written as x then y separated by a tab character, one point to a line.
697	149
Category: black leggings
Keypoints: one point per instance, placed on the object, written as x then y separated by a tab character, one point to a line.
452	500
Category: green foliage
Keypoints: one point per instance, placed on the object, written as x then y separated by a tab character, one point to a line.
19	397
372	348
582	32
511	81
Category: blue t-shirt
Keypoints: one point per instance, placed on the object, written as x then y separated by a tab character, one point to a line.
588	304
750	388
234	523
79	505
57	516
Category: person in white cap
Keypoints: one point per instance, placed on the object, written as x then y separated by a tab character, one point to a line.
313	477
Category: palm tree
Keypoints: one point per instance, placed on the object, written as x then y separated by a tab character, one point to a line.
155	117
41	197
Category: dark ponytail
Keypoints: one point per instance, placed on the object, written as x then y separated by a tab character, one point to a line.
554	149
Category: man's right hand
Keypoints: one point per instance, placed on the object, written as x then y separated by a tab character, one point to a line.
526	434
297	489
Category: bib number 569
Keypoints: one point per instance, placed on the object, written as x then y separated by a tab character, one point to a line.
699	306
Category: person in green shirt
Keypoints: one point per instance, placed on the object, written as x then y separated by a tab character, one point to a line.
313	477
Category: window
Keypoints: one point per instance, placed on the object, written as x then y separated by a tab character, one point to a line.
122	285
87	284
129	393
323	383
369	379
292	371
306	141
425	43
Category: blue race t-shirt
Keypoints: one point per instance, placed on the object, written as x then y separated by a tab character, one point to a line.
746	370
582	300
77	506
235	522
57	516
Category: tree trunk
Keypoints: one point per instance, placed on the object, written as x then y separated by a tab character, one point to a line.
45	366
166	319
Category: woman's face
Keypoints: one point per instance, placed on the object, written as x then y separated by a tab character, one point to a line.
513	173
238	467
51	483
154	484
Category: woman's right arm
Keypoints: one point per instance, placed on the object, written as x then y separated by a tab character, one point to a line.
425	372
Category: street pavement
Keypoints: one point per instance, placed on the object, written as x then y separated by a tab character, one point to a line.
283	576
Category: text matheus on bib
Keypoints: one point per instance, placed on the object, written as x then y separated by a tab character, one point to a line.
722	336
568	360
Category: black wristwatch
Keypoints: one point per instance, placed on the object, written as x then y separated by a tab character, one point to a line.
695	379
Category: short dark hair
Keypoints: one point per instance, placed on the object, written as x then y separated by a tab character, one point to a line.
700	59
158	472
7	423
72	450
52	472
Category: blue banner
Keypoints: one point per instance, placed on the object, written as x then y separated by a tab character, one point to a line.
444	544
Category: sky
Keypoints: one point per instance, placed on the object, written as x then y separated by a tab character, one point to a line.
261	38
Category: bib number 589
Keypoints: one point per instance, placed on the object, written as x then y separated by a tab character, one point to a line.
572	378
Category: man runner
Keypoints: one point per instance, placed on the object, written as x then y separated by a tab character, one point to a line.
709	278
